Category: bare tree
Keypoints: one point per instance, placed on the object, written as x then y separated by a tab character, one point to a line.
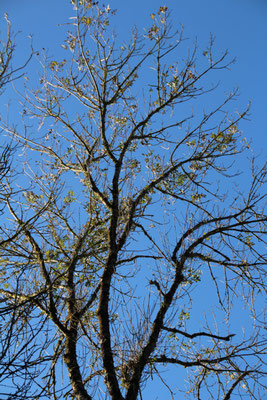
126	206
7	74
16	344
6	51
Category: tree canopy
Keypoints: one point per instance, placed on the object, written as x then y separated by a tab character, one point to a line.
123	213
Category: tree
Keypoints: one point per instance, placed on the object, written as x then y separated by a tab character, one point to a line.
126	206
13	357
6	51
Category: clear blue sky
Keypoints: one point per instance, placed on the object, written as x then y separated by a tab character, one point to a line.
237	25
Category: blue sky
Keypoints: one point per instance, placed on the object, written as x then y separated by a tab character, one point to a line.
237	25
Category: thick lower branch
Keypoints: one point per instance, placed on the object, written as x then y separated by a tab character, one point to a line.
105	337
143	359
193	335
70	359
